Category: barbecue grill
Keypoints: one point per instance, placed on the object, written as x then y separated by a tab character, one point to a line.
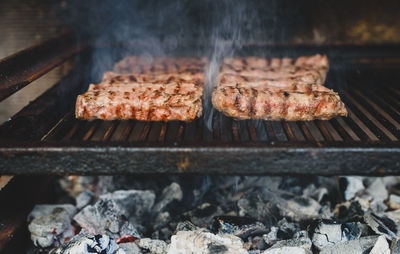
45	133
44	138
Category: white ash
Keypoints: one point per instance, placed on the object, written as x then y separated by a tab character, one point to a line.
86	244
267	214
302	242
105	217
352	185
153	246
136	203
287	250
203	242
358	246
51	224
394	201
381	246
74	185
84	199
130	248
43	210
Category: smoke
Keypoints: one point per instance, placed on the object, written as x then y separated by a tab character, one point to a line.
156	28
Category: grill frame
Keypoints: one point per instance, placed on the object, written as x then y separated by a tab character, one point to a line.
31	142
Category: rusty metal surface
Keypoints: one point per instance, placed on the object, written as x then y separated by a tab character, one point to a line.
223	159
22	68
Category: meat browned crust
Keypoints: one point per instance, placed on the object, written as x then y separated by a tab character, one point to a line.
276	89
151	93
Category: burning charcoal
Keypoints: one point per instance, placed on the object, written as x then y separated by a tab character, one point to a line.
381	246
136	203
83	244
201	241
358	246
394	201
351	186
287	250
170	193
382	225
105	217
130	248
154	246
272	237
242	227
51	224
84	198
395	246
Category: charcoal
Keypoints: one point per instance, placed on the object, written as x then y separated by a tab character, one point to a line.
357	246
302	241
42	210
351	186
51	224
84	199
272	237
394	201
296	207
106	217
287	229
251	205
203	216
287	250
332	233
186	226
255	243
154	246
161	220
204	242
130	248
351	209
242	227
395	246
170	193
136	203
83	244
327	234
381	246
379	194
382	225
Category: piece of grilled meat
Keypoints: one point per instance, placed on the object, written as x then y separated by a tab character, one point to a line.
170	92
276	89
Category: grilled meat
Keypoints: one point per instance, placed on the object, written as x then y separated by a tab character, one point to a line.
152	94
276	89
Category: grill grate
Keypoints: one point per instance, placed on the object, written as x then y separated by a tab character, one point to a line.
371	119
46	138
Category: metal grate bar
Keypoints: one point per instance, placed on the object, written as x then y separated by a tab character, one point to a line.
384	133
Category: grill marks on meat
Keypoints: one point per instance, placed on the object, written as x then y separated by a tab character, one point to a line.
276	89
162	90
